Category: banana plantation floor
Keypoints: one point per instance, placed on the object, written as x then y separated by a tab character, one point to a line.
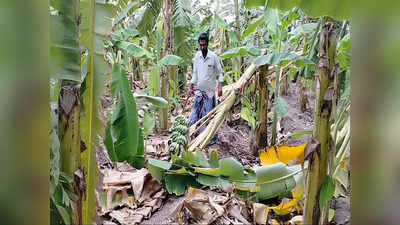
234	140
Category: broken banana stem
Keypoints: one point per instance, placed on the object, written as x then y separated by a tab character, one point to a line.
206	119
217	125
216	122
196	127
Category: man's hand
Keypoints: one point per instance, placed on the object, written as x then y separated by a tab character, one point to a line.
219	87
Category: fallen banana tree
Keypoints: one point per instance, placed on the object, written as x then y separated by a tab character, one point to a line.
193	169
215	118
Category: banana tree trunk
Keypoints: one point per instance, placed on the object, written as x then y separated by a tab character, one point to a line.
318	160
164	94
284	86
261	131
227	46
173	82
182	71
237	22
335	74
237	30
303	95
136	69
168	29
275	119
70	139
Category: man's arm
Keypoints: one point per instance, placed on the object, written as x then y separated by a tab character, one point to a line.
220	73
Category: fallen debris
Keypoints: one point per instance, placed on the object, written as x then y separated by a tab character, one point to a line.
129	195
260	213
157	147
207	207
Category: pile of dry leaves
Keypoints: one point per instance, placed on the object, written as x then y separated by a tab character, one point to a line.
129	195
207	207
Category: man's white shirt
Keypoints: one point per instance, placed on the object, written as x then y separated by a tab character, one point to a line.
205	71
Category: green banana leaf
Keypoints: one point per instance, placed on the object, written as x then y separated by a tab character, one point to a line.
125	124
156	101
64	41
241	51
95	25
275	179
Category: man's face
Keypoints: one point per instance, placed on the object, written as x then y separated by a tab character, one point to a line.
203	45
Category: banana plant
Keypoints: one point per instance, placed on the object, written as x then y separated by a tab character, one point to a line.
281	47
173	31
124	139
261	130
65	73
144	18
80	91
318	181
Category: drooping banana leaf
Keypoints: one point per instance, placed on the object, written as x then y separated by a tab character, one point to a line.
156	101
134	50
181	26
125	124
281	58
146	16
132	6
276	179
241	51
171	60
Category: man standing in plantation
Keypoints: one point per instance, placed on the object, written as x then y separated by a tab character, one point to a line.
206	67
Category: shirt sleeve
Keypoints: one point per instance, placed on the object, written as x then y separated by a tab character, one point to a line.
220	72
194	75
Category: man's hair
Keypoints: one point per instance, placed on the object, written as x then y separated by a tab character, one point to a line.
203	36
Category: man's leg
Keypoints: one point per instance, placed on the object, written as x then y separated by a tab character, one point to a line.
201	107
194	116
